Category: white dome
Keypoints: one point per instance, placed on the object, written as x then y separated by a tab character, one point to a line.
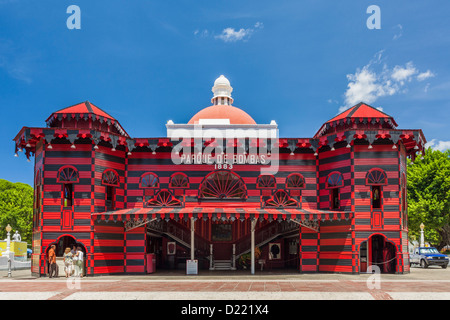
222	87
222	80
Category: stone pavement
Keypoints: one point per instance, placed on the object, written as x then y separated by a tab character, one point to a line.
420	284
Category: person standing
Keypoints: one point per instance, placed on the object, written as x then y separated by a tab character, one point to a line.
75	264
80	256
52	261
68	262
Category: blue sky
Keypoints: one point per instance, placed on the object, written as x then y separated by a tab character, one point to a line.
296	62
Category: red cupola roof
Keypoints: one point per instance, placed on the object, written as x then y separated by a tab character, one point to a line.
83	108
359	116
362	110
235	115
83	111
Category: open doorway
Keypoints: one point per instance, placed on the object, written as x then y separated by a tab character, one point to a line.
382	253
63	242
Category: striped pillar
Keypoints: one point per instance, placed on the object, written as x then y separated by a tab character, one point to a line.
309	253
135	242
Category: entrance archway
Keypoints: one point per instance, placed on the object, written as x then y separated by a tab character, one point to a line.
382	253
63	242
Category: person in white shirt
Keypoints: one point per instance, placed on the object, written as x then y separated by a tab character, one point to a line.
79	262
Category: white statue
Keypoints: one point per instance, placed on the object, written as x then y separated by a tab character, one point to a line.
16	237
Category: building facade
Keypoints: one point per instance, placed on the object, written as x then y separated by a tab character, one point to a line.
210	191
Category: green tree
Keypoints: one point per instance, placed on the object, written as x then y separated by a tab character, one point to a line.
429	197
16	209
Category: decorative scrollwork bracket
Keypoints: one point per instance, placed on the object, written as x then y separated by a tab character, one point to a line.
136	223
313	225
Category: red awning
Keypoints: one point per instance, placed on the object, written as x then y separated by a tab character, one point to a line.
223	214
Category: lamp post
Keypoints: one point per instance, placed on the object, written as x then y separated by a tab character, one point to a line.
8	249
422	240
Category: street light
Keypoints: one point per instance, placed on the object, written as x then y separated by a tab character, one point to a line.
422	240
8	248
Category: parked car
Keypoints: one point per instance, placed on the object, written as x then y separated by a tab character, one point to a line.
428	256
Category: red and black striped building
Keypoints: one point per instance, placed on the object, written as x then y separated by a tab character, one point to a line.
337	202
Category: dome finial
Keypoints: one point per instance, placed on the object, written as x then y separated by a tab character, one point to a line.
222	91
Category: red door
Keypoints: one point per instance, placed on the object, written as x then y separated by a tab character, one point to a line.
67	220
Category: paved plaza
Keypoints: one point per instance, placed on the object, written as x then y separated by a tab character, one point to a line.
420	284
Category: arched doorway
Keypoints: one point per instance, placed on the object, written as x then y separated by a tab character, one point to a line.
63	242
382	253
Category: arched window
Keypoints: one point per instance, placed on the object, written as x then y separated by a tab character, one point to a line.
376	177
179	181
266	181
295	181
223	184
164	199
335	181
110	178
149	180
281	199
67	174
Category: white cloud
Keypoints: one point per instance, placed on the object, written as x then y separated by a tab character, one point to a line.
366	85
400	32
425	75
201	33
259	25
438	145
232	35
376	80
404	73
362	87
